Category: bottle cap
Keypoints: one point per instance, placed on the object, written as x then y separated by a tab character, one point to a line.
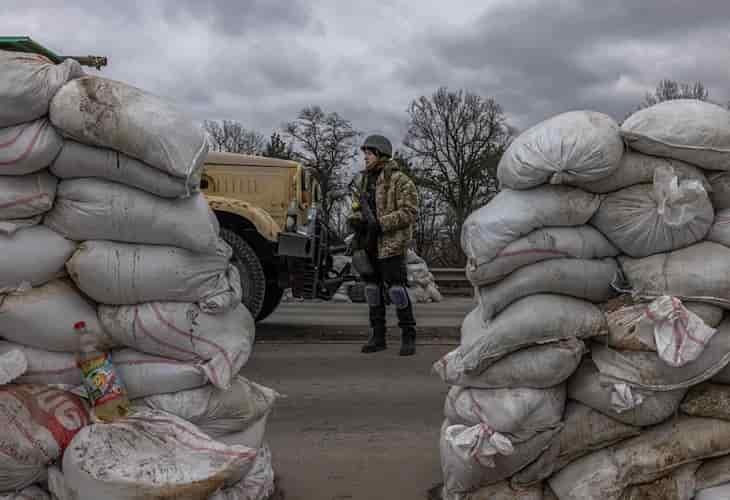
79	325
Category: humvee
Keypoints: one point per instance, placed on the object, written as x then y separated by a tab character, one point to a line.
268	211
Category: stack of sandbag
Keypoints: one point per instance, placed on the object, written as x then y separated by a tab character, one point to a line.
623	221
128	245
421	284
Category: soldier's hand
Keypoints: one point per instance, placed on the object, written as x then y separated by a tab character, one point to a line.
375	227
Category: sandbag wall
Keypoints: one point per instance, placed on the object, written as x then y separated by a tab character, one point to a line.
102	221
595	365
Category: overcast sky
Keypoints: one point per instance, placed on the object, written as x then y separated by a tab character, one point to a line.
261	61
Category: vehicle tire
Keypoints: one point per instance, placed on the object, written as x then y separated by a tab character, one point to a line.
272	299
253	280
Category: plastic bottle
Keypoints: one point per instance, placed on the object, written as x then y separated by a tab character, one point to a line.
104	387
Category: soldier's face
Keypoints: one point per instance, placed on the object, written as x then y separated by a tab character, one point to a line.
370	157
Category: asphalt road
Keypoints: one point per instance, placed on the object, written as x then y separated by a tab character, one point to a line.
343	321
353	426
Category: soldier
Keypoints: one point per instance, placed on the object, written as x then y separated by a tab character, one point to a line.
383	234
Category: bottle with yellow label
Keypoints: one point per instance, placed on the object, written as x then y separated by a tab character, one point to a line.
104	388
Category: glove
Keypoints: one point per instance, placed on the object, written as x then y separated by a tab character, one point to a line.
375	227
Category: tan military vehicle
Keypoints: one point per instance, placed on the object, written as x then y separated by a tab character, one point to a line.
268	211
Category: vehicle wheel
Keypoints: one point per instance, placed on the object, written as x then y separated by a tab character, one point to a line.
272	299
253	280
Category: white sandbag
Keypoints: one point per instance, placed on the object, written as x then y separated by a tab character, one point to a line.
413	258
679	485
587	430
32	256
106	113
500	491
511	215
122	274
258	484
28	82
38	423
10	227
714	472
96	209
637	168
647	219
13	364
217	412
219	343
577	145
696	273
647	370
535	319
586	388
150	454
142	374
28	147
518	414
721	492
680	335
540	469
657	451
252	436
691	130
720	230
43	317
537	367
589	280
29	493
464	470
630	329
708	400
720	189
581	242
78	160
24	196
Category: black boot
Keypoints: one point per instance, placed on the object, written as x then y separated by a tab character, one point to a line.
407	324
408	342
376	341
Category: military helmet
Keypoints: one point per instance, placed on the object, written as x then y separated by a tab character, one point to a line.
379	143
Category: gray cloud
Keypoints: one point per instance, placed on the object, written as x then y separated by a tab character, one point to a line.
241	17
261	61
538	60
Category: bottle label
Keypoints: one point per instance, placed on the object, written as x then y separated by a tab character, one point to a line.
100	379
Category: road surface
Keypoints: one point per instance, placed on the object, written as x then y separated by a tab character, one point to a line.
340	321
353	426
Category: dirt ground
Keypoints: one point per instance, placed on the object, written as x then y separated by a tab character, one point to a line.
353	426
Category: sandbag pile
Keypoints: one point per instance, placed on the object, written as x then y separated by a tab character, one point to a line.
101	221
596	363
421	284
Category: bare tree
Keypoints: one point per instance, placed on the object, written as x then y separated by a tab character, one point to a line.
278	148
431	214
231	136
326	143
456	139
667	90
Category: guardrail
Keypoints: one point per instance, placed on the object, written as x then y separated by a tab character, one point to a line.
449	275
452	280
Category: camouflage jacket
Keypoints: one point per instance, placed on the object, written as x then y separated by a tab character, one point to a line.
396	202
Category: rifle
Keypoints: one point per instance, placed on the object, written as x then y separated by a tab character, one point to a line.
368	239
